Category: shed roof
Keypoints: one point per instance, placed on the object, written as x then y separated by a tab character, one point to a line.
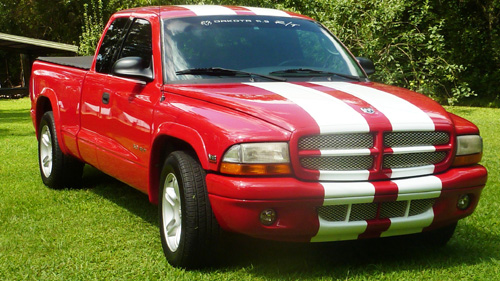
31	45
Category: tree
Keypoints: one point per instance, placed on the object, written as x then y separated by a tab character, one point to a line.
449	50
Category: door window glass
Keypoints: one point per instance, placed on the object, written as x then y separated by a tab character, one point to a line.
139	42
110	44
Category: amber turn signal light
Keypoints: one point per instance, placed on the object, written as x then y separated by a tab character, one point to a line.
255	169
465	160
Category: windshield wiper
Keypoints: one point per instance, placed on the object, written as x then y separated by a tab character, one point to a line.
313	72
219	71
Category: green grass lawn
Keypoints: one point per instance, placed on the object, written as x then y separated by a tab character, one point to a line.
109	231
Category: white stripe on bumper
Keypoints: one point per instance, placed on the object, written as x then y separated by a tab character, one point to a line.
410	225
364	192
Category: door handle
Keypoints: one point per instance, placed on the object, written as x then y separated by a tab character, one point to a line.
105	98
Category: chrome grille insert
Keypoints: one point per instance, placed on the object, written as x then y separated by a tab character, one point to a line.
420	206
333	213
371	211
395	161
394	209
336	141
361	212
404	139
338	163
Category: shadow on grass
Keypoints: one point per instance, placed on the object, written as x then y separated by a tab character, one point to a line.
268	259
343	260
121	194
11	118
14	116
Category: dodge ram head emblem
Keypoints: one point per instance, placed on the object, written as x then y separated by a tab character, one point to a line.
368	110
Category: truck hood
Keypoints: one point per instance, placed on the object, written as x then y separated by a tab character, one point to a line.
327	107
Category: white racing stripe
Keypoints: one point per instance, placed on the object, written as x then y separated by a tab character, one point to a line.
332	115
349	189
412	172
209	10
409	225
413	189
364	192
415	186
403	115
341	194
267	12
339	231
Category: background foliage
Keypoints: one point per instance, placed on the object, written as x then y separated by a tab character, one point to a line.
449	50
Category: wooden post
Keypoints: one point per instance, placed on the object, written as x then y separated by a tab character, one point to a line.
26	69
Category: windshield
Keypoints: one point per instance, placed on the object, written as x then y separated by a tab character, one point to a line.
278	47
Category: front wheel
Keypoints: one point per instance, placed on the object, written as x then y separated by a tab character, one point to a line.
189	231
56	169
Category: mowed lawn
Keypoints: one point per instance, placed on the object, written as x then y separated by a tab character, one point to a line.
109	231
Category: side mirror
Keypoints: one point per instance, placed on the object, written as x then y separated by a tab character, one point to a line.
133	67
367	65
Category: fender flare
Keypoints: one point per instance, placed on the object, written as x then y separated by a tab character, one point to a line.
51	96
176	131
188	135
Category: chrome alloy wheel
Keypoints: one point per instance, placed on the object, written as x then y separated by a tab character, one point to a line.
46	151
172	212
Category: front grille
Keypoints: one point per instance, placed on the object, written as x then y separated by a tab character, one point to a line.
405	139
338	163
336	141
394	209
372	211
361	212
395	161
418	207
375	152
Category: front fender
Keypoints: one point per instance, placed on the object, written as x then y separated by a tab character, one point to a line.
205	128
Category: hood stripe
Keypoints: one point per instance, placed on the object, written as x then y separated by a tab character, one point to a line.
332	115
268	12
216	10
403	115
209	10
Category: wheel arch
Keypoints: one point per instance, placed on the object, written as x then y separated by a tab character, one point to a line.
47	101
43	104
176	138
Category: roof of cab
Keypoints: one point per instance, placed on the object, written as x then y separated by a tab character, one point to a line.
211	10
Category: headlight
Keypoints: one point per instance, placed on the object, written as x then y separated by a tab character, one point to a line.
469	150
268	158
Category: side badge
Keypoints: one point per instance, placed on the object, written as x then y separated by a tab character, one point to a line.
368	110
212	158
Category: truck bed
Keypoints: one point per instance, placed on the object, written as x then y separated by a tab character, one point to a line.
83	62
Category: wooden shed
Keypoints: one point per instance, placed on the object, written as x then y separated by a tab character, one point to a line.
27	49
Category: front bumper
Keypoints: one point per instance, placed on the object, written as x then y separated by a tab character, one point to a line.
238	202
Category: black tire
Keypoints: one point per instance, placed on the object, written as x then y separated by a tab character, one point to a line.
189	231
56	169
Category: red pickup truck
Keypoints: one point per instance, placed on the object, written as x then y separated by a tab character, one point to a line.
254	121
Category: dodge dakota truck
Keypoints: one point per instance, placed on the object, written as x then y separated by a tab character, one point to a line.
253	121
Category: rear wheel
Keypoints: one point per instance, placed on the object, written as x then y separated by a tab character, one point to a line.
56	169
189	231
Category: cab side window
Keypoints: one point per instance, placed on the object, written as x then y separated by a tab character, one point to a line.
110	44
139	42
